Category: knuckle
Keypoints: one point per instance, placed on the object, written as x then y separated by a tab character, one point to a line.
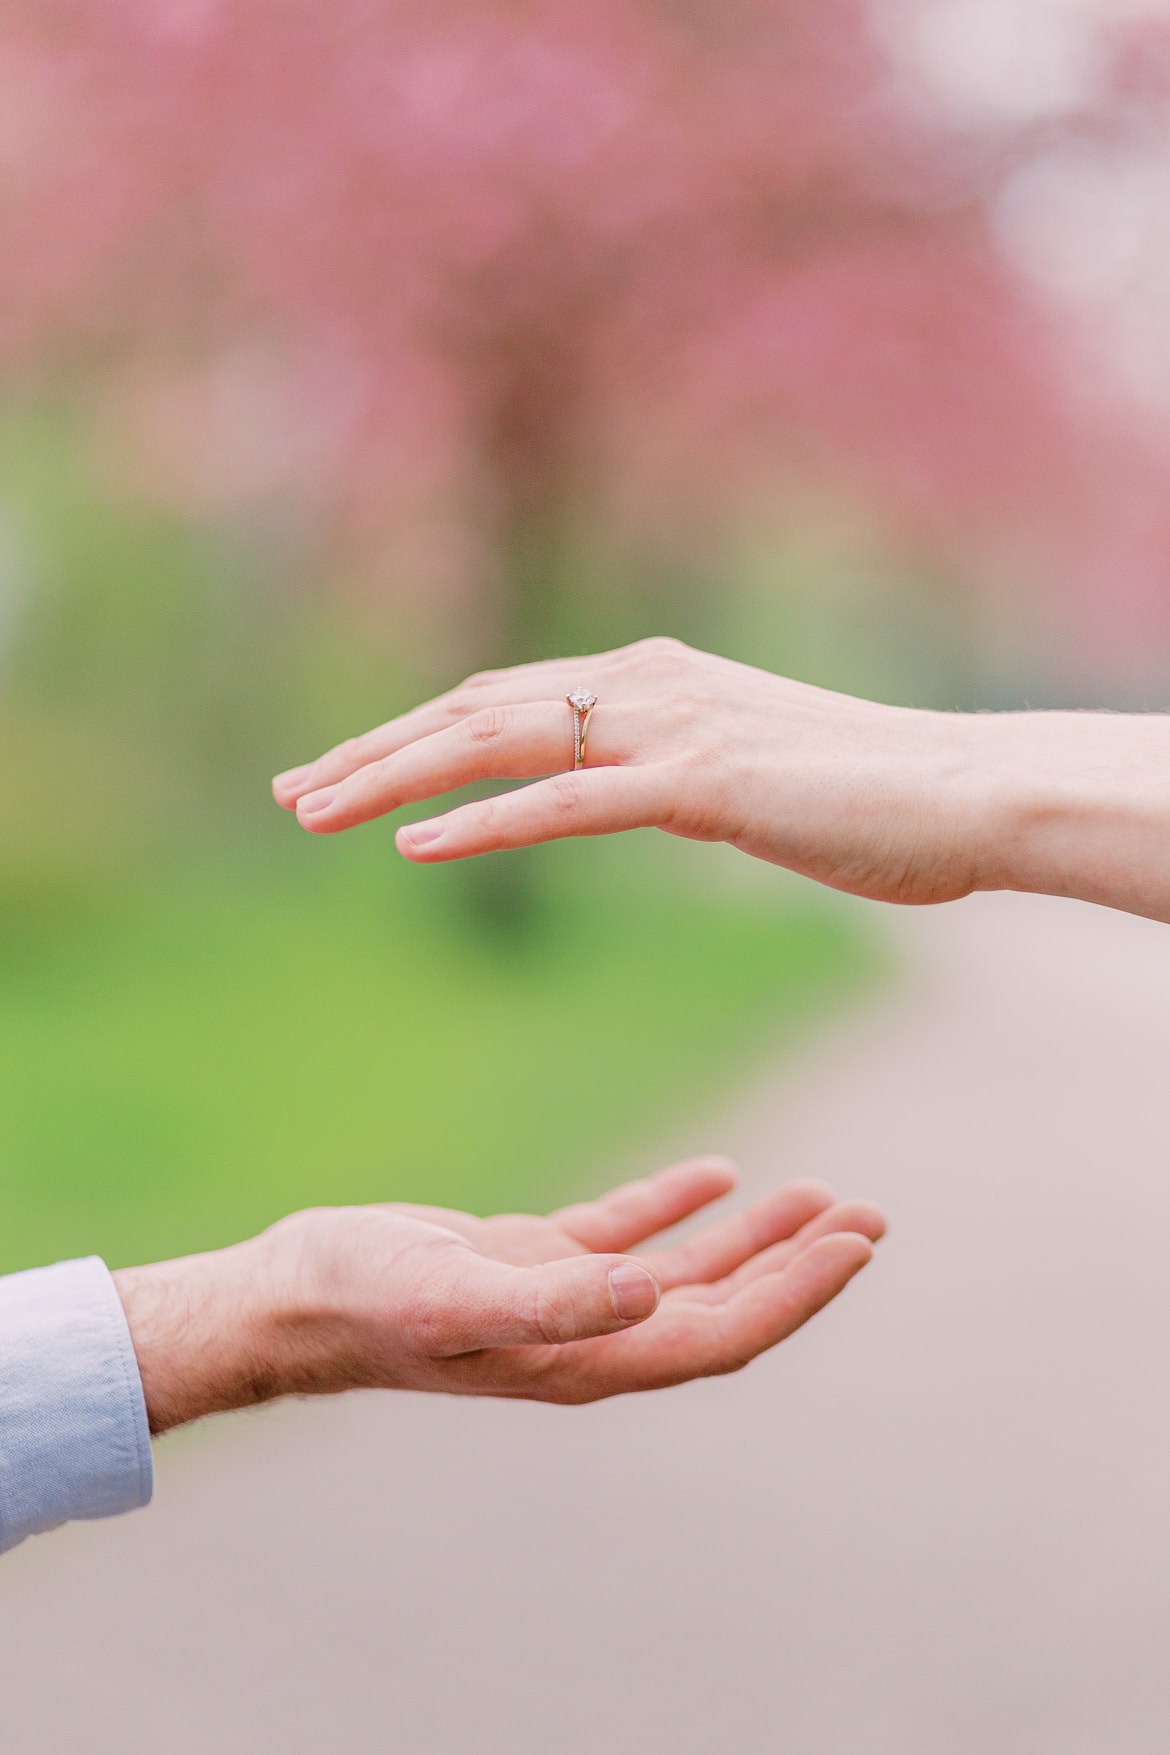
380	780
351	751
693	706
662	650
432	1328
464	700
581	1395
484	818
488	725
564	793
551	1321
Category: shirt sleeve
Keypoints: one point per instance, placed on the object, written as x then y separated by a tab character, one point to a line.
74	1435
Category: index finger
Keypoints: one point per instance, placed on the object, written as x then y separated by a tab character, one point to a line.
637	1210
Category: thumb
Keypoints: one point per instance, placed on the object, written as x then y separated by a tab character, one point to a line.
481	1303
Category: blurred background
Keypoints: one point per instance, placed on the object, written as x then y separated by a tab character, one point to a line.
345	349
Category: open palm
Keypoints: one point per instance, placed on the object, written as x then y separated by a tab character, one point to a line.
519	1305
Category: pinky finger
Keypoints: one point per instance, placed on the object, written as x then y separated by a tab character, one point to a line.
594	801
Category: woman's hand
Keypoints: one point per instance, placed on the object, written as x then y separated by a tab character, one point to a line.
873	799
403	1297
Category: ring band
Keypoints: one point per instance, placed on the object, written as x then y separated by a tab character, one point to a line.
582	701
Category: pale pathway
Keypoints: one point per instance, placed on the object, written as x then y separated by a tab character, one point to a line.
937	1523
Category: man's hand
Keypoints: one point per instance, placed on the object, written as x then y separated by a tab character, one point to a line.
405	1297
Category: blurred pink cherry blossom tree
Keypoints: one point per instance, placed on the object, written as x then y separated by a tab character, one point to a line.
453	280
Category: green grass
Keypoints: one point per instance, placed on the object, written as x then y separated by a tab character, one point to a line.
180	1065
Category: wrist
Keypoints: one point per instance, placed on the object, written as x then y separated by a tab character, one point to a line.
1023	790
1000	802
206	1331
1076	804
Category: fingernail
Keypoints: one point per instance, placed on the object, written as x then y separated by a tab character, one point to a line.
315	801
289	781
633	1290
419	834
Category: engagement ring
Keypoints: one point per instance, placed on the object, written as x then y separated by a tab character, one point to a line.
582	702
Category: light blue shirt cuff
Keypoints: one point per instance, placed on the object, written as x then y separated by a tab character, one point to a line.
74	1435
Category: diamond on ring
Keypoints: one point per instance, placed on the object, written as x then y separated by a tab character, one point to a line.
582	701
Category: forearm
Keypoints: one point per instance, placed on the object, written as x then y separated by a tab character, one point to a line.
1074	804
